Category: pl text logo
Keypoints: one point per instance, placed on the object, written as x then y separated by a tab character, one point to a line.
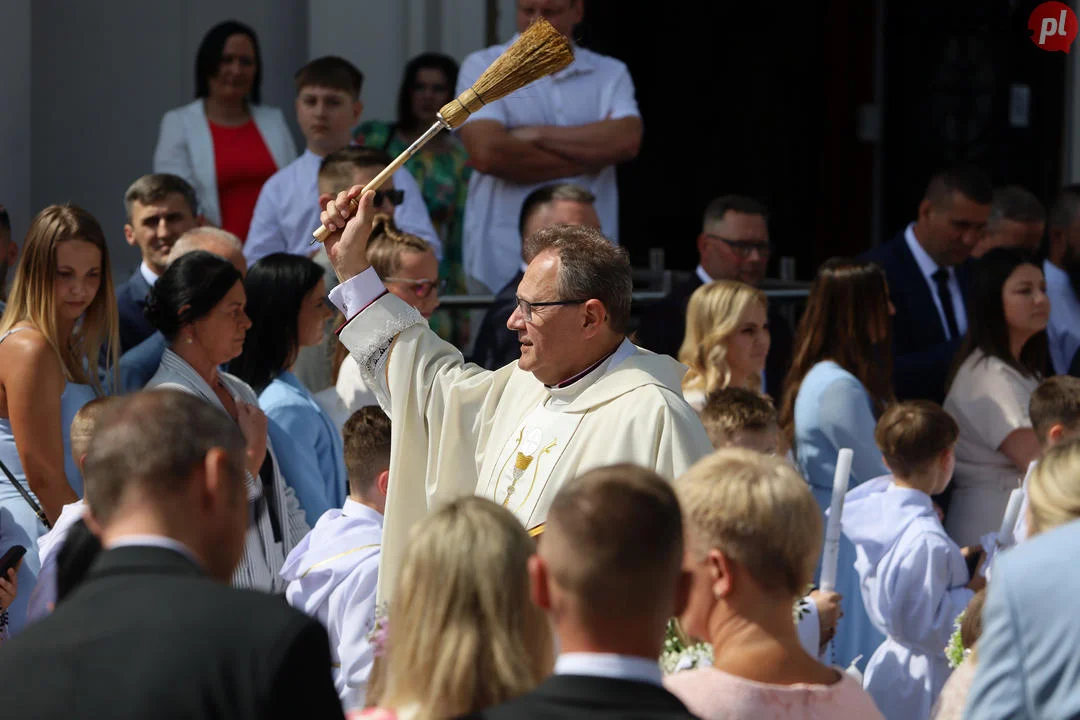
1053	26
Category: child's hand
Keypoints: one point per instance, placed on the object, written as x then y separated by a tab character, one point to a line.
829	613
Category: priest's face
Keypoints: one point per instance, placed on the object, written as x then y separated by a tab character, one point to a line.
550	334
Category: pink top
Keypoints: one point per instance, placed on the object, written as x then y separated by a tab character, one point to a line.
713	694
375	713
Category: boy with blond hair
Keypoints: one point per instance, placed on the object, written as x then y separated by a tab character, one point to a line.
70	523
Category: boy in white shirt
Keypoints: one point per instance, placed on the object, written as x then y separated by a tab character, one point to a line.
333	571
1054	409
914	578
737	417
44	596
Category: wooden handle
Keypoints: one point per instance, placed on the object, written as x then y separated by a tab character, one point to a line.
376	182
322	233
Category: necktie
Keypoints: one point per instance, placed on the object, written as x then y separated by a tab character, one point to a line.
941	279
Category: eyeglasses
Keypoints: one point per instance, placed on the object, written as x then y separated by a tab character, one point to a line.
744	248
420	287
395	197
526	307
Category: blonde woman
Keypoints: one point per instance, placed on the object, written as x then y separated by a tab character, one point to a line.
726	341
60	313
463	633
753	532
408	267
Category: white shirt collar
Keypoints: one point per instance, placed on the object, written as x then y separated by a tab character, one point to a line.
157	541
561	396
610	665
354	509
148	275
926	264
703	276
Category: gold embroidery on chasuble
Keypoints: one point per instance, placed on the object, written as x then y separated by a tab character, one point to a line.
527	460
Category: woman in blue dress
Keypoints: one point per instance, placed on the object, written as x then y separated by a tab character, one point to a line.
839	384
286	301
60	314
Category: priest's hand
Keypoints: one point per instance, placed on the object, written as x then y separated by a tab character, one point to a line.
347	243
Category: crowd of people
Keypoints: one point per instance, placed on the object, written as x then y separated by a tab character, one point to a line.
264	478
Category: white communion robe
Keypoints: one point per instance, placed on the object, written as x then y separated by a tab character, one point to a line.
459	429
914	584
332	574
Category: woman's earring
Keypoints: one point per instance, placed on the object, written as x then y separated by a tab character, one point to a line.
188	340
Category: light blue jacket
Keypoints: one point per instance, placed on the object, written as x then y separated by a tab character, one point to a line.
308	445
1029	651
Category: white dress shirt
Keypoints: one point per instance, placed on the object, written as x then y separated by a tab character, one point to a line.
928	267
702	275
287	211
593	88
148	275
1063	330
157	541
610	665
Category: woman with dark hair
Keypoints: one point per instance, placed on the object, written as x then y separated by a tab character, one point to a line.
998	367
225	144
198	305
838	385
440	168
287	305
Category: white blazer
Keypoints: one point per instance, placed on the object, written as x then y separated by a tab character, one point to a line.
185	148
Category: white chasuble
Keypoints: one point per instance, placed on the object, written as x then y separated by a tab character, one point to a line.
459	430
520	476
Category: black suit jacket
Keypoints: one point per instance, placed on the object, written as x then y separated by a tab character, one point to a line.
147	635
922	353
496	345
130	301
662	329
565	697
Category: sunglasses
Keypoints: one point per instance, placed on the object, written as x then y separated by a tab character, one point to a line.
420	287
394	197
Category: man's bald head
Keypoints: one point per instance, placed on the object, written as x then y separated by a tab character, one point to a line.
213	240
613	544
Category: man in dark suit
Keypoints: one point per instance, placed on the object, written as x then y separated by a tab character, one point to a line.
559	204
160	208
926	266
609	596
733	245
154	630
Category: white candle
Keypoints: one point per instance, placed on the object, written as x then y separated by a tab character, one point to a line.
836	510
1012	513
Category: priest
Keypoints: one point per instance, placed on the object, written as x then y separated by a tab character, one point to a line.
581	395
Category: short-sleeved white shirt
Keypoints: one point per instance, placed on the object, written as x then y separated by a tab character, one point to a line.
593	88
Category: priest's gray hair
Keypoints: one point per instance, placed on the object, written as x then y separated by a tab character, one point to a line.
202	238
591	267
149	444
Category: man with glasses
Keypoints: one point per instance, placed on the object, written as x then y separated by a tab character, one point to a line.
557	204
327	109
733	245
581	396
